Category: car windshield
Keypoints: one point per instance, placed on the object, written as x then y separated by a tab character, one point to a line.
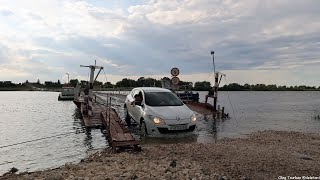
162	99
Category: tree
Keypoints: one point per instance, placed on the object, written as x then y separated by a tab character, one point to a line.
73	82
233	87
246	87
97	83
108	85
149	82
48	83
126	83
202	86
141	82
165	79
185	85
59	83
283	88
83	83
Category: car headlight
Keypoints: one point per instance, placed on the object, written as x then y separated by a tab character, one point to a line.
156	120
194	118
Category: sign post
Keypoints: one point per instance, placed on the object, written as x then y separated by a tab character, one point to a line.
175	80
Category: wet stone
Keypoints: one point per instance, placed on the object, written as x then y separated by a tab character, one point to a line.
173	163
244	178
223	178
133	177
303	156
13	170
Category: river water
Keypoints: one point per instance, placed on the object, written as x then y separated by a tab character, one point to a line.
60	137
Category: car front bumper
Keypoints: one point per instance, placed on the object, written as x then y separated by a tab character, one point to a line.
164	130
158	129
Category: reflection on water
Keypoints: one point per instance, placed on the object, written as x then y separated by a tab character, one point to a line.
78	124
88	139
79	127
212	125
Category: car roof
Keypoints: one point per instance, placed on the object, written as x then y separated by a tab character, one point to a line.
153	89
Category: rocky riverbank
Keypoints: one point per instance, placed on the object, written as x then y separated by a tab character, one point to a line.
261	155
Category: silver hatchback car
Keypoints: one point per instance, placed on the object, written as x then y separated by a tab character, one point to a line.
158	111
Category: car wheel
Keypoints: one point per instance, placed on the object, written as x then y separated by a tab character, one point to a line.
126	116
143	129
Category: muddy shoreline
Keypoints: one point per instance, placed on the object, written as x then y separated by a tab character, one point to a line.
261	155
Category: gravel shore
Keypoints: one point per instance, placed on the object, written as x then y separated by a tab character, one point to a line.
261	155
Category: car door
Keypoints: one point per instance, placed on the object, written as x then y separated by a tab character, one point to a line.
130	99
136	109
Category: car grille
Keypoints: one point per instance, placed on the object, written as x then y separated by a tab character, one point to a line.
165	130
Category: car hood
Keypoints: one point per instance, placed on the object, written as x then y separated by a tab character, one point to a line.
170	112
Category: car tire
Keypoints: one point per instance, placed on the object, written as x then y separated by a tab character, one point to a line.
143	129
127	117
192	128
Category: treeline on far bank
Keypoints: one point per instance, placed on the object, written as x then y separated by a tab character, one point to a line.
29	86
263	87
197	86
127	83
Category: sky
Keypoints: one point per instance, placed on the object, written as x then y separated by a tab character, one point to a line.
255	41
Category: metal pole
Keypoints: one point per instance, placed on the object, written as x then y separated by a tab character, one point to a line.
109	108
107	100
214	66
222	112
216	84
91	81
215	97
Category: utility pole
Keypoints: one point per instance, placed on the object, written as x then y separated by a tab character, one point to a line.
216	84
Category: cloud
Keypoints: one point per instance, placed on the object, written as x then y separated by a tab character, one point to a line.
6	12
3	54
150	37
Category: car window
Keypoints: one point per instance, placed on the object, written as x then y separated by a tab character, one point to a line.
133	92
138	93
162	99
